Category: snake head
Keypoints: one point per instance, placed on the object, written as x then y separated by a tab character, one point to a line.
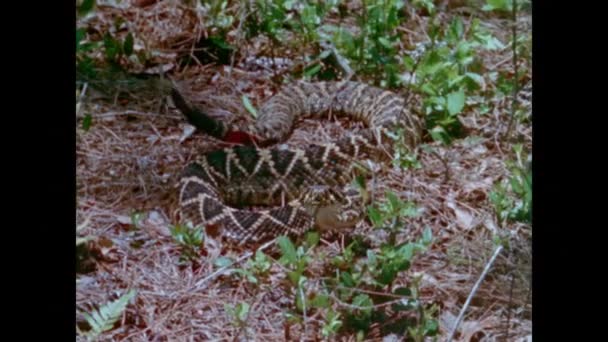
334	218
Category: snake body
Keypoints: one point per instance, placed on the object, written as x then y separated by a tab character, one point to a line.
215	188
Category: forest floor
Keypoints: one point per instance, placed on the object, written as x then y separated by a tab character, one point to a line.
132	145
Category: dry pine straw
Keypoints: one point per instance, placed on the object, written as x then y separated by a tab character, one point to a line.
128	162
131	164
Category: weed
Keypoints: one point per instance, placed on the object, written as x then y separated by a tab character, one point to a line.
512	198
189	240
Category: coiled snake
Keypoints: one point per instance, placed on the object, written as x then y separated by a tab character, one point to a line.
214	189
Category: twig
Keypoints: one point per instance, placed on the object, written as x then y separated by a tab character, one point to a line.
376	293
85	223
473	291
80	98
373	307
303	313
135	113
221	270
509	305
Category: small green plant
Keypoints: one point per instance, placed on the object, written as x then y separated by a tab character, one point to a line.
332	324
260	264
107	315
512	198
85	65
218	15
391	213
296	22
116	50
373	49
239	314
256	269
189	239
446	72
267	18
376	273
296	260
427	325
358	278
403	156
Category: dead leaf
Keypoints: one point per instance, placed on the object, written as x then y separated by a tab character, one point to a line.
464	219
490	225
156	223
122	219
187	131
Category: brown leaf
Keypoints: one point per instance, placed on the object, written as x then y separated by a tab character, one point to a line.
464	219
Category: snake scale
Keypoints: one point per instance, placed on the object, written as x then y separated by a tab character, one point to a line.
218	185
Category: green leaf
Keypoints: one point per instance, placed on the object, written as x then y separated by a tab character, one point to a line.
113	48
374	216
221	43
371	259
347	279
250	277
438	133
503	5
456	29
249	106
394	202
477	78
86	7
310	17
86	122
464	53
359	181
325	54
426	4
242	310
385	42
455	102
431	63
312	238
104	319
223	262
403	291
332	323
407	251
320	301
287	249
312	70
409	210
364	302
431	327
427	236
128	45
80	34
387	273
408	62
488	41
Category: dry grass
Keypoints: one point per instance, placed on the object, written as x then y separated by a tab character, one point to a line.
129	160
